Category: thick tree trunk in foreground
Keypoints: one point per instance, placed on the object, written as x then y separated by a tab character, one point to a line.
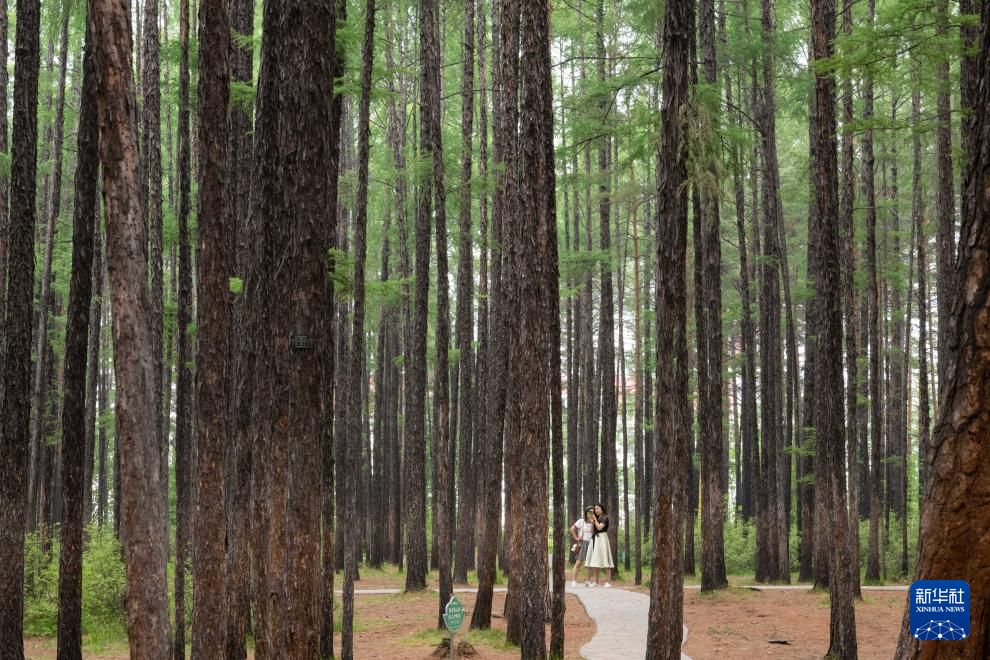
824	270
537	279
76	340
17	340
212	271
308	48
954	530
142	514
265	212
666	592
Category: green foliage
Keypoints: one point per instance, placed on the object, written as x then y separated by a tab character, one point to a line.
104	614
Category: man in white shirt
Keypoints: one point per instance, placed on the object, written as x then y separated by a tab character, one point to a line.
582	532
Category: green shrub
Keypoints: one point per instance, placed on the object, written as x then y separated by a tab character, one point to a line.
104	612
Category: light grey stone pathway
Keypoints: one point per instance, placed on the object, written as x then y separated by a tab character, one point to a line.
621	617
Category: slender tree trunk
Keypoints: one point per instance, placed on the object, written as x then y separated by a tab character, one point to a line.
397	138
353	416
873	295
17	337
921	242
414	475
945	248
151	202
847	242
242	350
50	206
709	290
265	219
465	285
503	300
666	592
609	484
142	515
184	351
641	412
431	109
4	182
824	271
74	429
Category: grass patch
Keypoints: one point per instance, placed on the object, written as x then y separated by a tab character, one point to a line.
492	639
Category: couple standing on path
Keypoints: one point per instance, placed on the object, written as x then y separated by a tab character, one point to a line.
591	546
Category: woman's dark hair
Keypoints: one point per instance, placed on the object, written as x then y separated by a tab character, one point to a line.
603	519
590	509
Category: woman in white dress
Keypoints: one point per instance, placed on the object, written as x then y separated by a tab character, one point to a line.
600	555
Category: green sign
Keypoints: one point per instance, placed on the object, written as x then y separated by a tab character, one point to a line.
453	615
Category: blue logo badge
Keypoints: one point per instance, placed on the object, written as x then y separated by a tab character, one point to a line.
939	609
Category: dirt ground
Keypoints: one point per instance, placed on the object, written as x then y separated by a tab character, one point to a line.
740	624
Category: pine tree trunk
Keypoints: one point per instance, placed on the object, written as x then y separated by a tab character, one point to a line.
920	245
397	138
609	484
74	428
142	515
774	511
825	272
17	336
666	592
873	295
184	350
308	44
352	419
465	285
945	248
505	115
4	182
265	220
851	318
243	337
151	201
212	316
709	290
50	207
431	109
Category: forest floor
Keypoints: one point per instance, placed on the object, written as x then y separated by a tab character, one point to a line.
736	623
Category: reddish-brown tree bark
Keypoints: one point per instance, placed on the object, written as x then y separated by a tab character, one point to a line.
664	631
74	429
142	510
212	273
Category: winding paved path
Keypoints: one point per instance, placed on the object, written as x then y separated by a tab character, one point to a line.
621	617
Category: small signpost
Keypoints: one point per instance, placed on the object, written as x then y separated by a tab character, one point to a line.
453	618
